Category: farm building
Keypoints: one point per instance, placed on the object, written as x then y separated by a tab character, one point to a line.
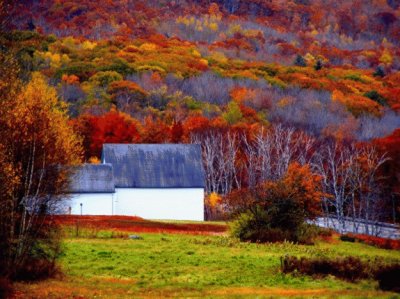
153	181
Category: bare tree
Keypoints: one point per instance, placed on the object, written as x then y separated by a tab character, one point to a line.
219	157
350	181
271	151
334	164
366	203
349	171
228	158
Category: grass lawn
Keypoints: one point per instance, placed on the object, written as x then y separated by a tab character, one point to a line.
184	265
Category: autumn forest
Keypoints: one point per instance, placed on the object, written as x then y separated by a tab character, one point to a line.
296	100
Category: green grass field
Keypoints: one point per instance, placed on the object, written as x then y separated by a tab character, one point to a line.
182	265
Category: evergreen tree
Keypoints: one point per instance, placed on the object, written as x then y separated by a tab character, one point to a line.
379	72
300	61
318	65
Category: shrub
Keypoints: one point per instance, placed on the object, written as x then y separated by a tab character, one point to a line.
379	242
255	226
250	228
306	234
278	210
324	232
348	268
388	278
37	269
372	240
247	224
6	288
347	238
40	262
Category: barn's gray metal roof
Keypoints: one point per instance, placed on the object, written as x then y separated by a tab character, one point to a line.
155	165
92	178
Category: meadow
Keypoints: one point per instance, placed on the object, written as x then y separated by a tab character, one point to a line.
296	107
103	262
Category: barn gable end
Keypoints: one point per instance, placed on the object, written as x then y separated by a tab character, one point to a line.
92	178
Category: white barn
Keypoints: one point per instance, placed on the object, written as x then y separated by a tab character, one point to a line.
153	181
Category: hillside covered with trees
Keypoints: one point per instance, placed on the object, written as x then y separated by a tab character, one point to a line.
293	79
286	97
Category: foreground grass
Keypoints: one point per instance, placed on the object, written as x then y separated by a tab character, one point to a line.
172	265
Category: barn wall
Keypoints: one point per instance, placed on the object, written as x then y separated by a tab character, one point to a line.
92	204
171	203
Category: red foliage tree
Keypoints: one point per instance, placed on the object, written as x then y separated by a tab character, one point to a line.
391	169
195	124
112	127
176	132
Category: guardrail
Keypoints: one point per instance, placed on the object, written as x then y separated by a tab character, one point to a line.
359	226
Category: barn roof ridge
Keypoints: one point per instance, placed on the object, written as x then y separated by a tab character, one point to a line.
167	165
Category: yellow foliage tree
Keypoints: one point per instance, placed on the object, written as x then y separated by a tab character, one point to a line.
37	113
213	206
88	45
386	58
38	145
148	47
213	199
94	160
213	26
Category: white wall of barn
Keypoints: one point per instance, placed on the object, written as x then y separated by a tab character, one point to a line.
92	203
161	203
148	203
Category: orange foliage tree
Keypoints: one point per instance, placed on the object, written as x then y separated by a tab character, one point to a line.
155	131
299	188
